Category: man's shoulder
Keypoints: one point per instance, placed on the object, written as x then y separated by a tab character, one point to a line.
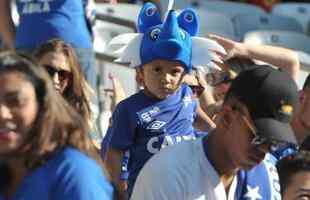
175	156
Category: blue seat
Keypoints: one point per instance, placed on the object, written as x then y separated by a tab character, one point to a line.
250	22
299	11
288	39
231	8
215	22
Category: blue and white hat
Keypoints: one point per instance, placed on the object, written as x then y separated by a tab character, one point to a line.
174	39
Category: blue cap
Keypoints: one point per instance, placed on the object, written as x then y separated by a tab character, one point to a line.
169	40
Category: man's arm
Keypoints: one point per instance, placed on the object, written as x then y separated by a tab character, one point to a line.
114	164
7	28
283	58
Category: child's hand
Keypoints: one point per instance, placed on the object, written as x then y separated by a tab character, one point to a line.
118	90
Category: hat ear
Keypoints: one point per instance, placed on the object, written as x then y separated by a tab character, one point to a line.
188	20
149	16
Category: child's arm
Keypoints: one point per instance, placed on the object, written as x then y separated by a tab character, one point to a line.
203	122
114	164
7	28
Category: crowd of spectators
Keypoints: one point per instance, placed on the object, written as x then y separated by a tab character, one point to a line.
209	120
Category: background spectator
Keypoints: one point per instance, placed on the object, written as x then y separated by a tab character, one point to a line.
40	21
294	172
60	61
45	149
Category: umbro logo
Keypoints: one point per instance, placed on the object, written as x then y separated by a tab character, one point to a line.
156	125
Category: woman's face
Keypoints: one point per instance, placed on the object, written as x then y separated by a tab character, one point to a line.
58	68
18	110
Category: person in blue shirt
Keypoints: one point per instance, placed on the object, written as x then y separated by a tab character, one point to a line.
42	20
163	112
45	149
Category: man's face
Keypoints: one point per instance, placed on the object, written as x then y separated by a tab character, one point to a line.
299	187
243	153
161	78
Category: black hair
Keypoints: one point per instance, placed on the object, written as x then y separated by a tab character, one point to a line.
291	165
10	61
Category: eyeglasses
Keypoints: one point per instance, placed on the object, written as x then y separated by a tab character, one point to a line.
197	90
259	140
62	74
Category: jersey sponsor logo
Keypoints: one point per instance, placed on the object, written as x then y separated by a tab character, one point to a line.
156	125
153	146
147	116
30	6
187	100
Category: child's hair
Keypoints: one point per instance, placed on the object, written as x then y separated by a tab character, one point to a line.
289	166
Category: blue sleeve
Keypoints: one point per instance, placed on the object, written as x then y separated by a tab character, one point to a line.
81	181
122	128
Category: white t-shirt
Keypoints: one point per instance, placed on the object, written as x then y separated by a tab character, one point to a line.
181	172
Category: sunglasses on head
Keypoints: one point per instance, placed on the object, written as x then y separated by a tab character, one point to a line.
62	74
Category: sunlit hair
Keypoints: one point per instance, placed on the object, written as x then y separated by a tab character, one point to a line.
78	93
57	124
289	166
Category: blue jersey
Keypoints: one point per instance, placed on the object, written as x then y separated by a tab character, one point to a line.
261	182
66	176
143	125
42	20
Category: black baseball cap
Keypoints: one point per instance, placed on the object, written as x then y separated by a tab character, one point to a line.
271	96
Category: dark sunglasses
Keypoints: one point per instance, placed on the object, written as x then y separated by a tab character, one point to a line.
62	74
214	79
197	90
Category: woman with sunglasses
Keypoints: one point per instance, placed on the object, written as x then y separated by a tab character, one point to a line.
44	145
60	61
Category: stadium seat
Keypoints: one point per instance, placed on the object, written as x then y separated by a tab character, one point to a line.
299	11
225	7
232	8
288	39
121	10
113	20
251	22
215	22
104	32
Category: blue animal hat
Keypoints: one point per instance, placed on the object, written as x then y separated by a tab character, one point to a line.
174	39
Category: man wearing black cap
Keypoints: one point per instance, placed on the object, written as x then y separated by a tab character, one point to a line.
255	118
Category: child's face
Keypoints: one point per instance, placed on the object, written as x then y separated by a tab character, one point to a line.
161	78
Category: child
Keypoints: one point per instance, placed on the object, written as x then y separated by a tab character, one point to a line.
163	112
